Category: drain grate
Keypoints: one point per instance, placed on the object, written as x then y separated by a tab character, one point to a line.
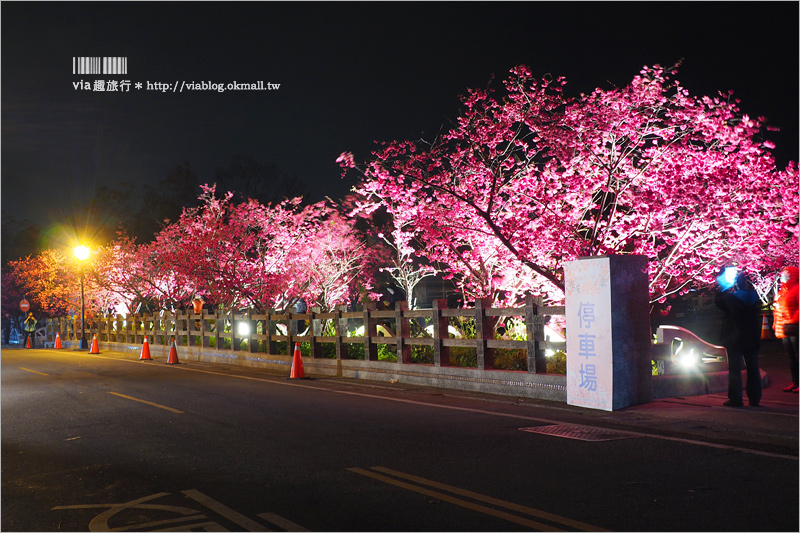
579	432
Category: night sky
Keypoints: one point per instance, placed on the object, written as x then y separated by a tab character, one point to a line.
349	74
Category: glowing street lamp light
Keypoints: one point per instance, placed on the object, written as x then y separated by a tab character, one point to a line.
82	254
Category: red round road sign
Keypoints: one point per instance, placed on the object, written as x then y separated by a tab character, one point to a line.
24	306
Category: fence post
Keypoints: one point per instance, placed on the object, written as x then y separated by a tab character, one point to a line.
177	321
236	339
252	343
402	332
272	330
174	329
484	330
534	327
441	353
219	325
148	323
291	333
171	326
340	330
370	331
191	327
315	328
156	328
203	328
164	327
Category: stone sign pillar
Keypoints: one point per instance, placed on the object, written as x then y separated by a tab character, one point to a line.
608	332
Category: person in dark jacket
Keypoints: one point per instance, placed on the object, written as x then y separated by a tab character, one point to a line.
7	325
741	336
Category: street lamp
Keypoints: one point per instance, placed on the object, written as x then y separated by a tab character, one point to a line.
82	253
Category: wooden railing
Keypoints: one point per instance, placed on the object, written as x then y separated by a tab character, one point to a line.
263	332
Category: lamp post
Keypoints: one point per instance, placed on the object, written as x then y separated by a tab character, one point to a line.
82	253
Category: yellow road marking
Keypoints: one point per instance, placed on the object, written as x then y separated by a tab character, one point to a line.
34	371
455	501
224	510
493	501
283	523
148	403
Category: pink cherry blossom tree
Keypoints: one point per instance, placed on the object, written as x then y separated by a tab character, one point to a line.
533	179
260	257
130	273
398	236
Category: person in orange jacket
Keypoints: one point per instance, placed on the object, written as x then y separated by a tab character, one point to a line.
785	320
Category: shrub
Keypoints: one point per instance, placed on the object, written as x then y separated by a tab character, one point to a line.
557	363
510	359
355	351
387	352
463	357
422	354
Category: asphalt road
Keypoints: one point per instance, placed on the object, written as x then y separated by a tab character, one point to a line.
102	442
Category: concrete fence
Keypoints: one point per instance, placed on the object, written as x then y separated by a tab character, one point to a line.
267	340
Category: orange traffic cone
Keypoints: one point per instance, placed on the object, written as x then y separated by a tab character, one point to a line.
95	347
766	332
297	364
145	351
57	345
28	344
173	354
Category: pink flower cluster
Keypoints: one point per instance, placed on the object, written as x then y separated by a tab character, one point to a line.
529	180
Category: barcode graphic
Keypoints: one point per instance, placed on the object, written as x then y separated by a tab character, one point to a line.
99	65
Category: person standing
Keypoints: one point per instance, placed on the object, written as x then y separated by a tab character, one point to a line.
785	320
29	327
7	324
301	307
741	335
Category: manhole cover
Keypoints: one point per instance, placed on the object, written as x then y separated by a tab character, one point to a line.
579	432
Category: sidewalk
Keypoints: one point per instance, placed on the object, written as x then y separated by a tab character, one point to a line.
771	427
775	363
